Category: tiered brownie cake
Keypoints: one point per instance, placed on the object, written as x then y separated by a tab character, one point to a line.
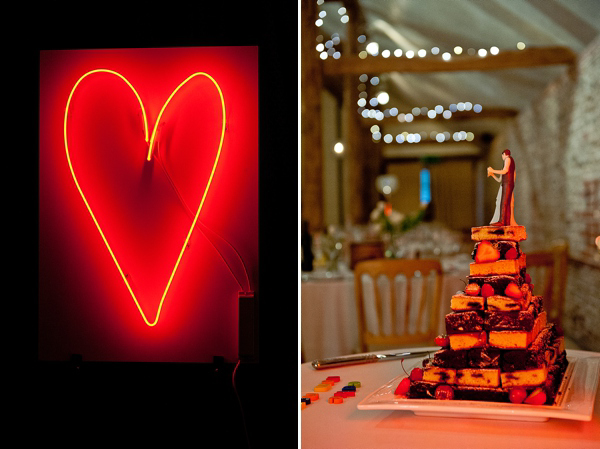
499	346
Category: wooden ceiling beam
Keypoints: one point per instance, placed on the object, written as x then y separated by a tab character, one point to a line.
508	59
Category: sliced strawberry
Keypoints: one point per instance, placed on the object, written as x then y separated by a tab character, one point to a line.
444	392
513	291
442	340
486	253
537	397
472	289
511	254
487	290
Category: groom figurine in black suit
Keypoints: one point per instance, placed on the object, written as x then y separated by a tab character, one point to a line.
508	185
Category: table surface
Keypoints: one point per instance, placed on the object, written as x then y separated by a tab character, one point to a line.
325	425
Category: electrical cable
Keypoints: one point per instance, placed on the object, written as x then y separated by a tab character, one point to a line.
240	403
191	215
189	212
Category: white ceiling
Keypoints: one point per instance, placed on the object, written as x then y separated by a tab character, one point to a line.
475	24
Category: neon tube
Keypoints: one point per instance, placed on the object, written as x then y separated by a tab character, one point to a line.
149	157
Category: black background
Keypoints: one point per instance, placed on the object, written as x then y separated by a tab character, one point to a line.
78	402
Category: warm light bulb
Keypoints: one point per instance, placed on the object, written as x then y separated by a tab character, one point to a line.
383	97
338	148
373	48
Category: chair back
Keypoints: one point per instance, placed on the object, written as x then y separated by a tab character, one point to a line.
397	301
548	271
360	251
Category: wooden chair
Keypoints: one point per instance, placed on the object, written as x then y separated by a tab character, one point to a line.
548	271
397	301
360	251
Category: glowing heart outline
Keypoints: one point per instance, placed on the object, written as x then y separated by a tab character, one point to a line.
149	157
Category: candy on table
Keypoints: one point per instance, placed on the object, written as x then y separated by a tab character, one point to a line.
336	400
312	396
322	387
307	401
349	388
302	405
334	378
354	383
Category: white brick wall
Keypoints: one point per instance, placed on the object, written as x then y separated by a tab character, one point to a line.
556	145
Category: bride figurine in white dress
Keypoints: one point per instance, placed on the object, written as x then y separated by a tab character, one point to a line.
496	216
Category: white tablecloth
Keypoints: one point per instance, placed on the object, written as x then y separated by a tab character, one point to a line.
329	323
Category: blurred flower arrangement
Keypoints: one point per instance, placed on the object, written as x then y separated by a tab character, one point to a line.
388	225
386	220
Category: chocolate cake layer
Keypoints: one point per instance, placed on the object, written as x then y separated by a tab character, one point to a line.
481	394
502	246
555	373
422	390
426	390
485	357
554	379
450	358
532	357
518	339
497	282
518	320
459	322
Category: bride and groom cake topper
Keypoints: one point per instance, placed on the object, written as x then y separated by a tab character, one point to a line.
505	201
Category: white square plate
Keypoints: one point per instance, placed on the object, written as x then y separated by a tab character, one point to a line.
577	394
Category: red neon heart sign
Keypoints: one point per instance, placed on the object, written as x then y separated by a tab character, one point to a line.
151	142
